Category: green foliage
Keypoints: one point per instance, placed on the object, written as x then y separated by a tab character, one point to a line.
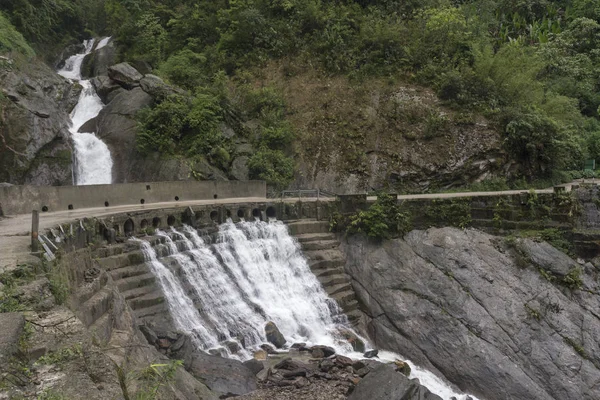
576	346
156	376
272	166
61	356
11	40
573	279
182	125
455	212
384	219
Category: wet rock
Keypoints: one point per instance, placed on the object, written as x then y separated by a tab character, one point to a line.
325	350
254	365
385	383
218	352
233	346
222	375
163	343
402	367
357	344
273	335
371	353
268	348
125	75
298	345
98	61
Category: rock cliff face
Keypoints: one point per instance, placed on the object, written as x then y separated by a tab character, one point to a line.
35	104
483	312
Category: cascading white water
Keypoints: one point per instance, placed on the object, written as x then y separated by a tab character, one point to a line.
254	273
93	163
181	307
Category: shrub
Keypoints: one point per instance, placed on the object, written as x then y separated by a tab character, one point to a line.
271	166
383	220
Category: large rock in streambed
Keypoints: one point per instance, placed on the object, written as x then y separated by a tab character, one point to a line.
384	383
273	335
104	86
125	75
221	375
98	61
459	303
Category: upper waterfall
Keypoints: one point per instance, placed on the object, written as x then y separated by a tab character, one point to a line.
93	162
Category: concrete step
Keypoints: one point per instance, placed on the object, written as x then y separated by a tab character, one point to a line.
320	245
326	264
344	298
152	311
354	316
352	305
96	306
311	237
321	273
138	292
109	251
127	272
330	281
121	260
308	226
151	299
136	282
335	289
84	293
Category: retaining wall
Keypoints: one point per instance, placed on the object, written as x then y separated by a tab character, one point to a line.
22	199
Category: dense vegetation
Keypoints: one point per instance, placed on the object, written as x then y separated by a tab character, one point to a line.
532	66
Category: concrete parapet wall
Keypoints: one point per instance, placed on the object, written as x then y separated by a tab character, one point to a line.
22	199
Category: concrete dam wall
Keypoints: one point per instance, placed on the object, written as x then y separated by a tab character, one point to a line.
22	199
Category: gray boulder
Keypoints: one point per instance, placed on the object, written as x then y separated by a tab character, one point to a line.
11	327
224	376
457	302
98	61
104	86
274	336
384	383
125	75
156	87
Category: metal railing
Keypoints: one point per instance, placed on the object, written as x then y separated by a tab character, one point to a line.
305	193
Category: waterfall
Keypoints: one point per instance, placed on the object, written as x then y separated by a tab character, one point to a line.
253	273
93	163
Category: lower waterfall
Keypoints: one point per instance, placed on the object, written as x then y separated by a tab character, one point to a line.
253	273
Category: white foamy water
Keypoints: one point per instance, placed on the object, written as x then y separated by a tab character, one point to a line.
255	272
93	163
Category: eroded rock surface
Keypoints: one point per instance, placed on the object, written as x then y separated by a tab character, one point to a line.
34	123
459	303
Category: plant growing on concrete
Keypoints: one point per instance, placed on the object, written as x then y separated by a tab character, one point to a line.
383	220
